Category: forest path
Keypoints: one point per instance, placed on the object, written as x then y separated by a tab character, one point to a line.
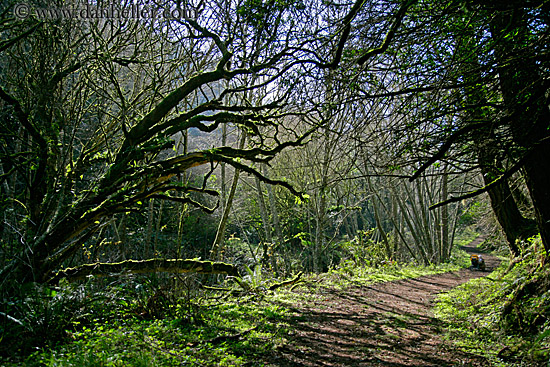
384	324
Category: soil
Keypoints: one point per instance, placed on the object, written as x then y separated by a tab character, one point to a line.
384	324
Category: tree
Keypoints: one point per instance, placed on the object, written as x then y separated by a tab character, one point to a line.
91	116
507	212
482	105
524	87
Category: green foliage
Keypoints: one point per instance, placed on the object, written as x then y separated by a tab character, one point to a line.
348	273
139	321
254	277
466	236
253	281
362	250
503	316
160	320
473	214
38	316
258	12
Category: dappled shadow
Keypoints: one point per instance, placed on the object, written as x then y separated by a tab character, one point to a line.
385	324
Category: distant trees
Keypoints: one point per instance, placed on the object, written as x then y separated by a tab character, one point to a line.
460	85
368	131
92	115
101	119
472	80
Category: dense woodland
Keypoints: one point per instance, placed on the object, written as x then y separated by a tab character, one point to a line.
278	136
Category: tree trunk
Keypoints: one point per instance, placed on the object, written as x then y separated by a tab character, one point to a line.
223	174
383	233
410	222
149	229
505	208
393	217
225	215
507	213
274	212
145	267
445	244
183	211
524	94
538	181
263	211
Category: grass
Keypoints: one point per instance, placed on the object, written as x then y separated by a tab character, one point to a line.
173	341
482	320
466	236
129	323
347	274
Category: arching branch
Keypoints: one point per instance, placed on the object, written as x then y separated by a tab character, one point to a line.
446	146
391	33
516	167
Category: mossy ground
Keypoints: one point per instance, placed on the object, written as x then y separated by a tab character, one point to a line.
490	316
132	323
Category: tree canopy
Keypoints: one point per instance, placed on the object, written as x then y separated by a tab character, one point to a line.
336	102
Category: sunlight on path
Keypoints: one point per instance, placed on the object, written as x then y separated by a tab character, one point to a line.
385	324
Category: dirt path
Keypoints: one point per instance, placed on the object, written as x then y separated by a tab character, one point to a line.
386	324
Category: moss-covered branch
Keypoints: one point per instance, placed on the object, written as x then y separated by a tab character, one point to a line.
286	283
144	267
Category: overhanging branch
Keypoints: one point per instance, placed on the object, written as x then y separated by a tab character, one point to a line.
185	200
261	177
445	147
453	199
391	33
4	45
345	34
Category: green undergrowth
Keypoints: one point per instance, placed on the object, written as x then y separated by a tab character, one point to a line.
466	236
139	321
347	274
123	328
225	335
313	287
506	315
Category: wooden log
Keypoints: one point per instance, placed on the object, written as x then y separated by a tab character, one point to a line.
178	266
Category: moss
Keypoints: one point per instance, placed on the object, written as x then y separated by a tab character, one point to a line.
503	316
146	266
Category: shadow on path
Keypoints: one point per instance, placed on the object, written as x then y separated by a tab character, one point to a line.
385	324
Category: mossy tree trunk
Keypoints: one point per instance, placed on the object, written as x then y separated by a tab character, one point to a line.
525	96
514	225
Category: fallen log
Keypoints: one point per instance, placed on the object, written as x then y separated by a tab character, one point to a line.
178	266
